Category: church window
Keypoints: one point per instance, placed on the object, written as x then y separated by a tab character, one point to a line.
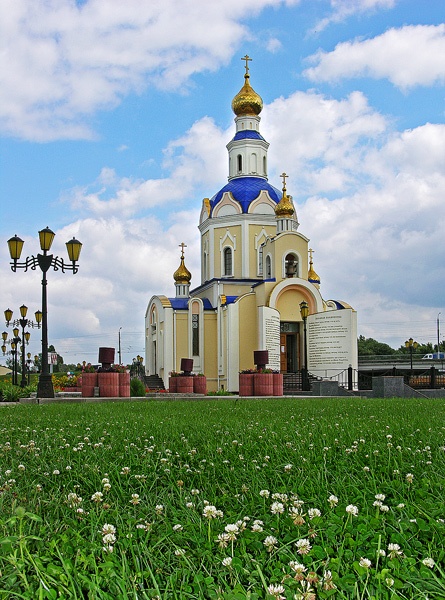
254	163
195	335
264	165
240	163
268	267
260	260
228	262
291	265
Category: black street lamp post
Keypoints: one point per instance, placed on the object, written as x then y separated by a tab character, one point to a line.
411	345
23	322
44	261
304	311
14	343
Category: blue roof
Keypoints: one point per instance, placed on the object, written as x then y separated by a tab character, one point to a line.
245	190
182	303
248	135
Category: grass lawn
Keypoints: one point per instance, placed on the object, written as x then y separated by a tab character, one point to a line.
283	498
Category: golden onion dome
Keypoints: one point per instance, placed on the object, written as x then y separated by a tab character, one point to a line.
285	207
312	275
247	102
182	275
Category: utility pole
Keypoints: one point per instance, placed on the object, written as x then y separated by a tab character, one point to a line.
120	354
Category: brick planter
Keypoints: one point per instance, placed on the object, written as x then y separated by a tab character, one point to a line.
263	384
173	384
124	385
108	385
199	384
185	384
89	382
246	384
277	384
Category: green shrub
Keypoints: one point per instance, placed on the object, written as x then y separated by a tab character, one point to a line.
137	388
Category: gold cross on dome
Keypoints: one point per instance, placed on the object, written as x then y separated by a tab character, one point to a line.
246	58
310	254
284	176
182	246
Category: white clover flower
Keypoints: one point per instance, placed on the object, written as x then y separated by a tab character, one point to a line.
189	505
394	550
257	525
297	567
352	510
210	512
365	563
264	493
194	492
276	591
288	468
232	531
389	581
56	472
125	470
277	508
409	477
313	513
178	527
380	497
109	549
333	500
180	552
381	552
227	562
109	538
384	508
270	542
159	509
21	467
366	469
428	562
97	497
108	528
135	499
303	546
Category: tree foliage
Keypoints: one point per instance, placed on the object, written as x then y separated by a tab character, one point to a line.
371	347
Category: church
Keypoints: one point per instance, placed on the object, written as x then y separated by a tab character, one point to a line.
256	270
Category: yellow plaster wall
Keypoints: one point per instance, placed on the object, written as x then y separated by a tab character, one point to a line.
248	334
289	304
255	230
210	350
181	338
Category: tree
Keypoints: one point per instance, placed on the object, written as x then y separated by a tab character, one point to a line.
371	347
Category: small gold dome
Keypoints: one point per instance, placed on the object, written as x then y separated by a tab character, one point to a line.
285	207
247	102
182	275
312	275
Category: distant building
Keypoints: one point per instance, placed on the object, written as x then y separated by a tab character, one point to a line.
256	269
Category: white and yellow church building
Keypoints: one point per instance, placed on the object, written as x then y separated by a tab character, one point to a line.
256	269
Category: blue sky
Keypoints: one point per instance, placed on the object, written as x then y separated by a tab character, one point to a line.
114	119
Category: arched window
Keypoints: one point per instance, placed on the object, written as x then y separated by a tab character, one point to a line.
228	262
240	163
260	260
268	267
264	165
291	265
253	160
195	329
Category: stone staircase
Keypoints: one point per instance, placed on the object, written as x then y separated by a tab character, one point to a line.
153	382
